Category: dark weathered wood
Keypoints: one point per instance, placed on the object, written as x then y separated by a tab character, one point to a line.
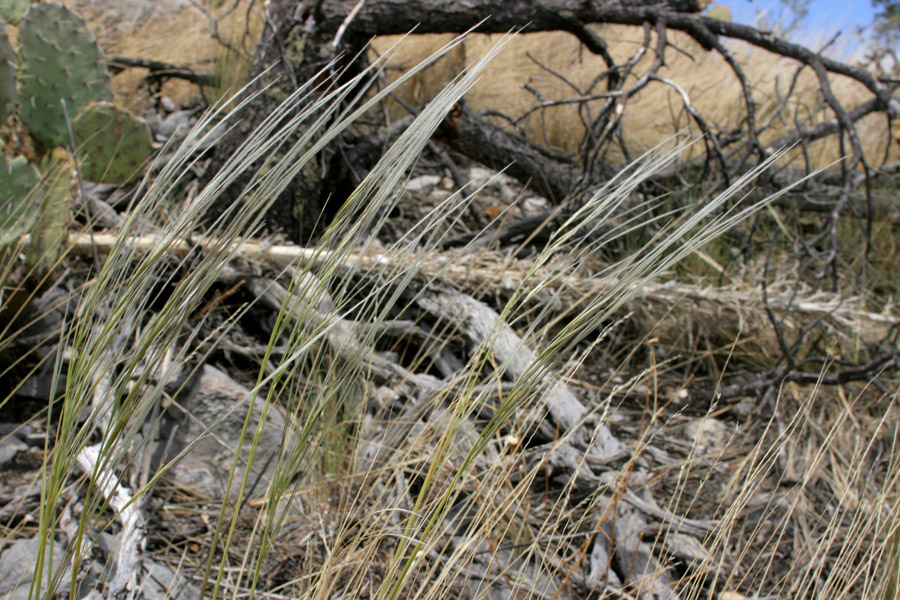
549	173
387	17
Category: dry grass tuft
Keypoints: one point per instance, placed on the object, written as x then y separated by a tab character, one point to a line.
791	495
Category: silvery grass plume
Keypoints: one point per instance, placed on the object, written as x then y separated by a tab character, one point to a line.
125	342
120	359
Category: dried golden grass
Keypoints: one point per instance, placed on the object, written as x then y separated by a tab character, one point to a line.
183	36
179	33
655	113
814	478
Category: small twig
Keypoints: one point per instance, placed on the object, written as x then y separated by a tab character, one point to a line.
343	28
162	70
127	560
757	385
701	123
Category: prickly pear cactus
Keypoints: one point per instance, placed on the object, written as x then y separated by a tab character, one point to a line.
58	60
112	143
20	201
11	11
7	75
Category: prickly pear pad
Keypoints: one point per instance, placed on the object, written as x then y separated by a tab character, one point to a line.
21	202
112	143
11	11
58	59
7	75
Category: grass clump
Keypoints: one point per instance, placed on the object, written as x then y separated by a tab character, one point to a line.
487	475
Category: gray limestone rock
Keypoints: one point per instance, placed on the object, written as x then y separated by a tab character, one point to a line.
161	583
17	569
217	405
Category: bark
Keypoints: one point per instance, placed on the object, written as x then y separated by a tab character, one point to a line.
387	17
549	173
